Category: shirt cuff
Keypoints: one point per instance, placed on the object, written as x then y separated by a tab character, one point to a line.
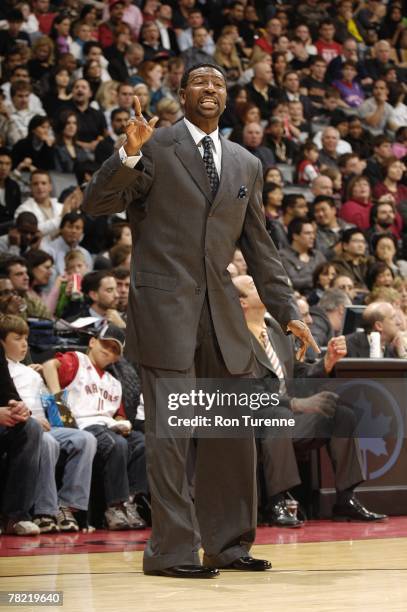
129	160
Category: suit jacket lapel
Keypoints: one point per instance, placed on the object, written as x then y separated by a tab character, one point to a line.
188	153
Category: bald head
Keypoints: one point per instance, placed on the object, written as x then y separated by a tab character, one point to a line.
249	297
252	135
381	317
322	185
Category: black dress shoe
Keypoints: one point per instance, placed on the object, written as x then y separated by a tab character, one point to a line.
185	571
279	516
353	510
248	564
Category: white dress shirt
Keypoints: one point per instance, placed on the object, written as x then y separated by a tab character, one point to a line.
197	134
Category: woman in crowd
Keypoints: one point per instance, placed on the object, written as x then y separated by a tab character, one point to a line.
38	145
279	66
40	267
61	27
393	185
152	75
384	248
322	280
274	175
379	275
58	91
92	72
356	209
247	112
226	56
67	151
42	59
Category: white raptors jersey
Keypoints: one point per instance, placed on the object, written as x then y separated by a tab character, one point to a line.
91	399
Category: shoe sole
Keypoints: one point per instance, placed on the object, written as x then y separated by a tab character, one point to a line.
198	576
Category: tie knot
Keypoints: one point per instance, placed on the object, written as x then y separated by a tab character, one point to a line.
207	143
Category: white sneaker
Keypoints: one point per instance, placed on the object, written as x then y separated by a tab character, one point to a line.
116	519
22	528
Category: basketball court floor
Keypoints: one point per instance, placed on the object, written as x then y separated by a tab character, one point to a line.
322	566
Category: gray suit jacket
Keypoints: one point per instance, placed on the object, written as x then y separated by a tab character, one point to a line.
183	240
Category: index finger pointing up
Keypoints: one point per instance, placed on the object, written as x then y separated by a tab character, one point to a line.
137	106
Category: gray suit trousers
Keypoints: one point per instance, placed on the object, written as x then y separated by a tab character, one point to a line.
222	517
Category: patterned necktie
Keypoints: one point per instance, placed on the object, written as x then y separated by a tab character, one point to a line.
274	360
210	164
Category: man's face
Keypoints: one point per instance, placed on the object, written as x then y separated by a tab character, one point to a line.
195	19
251	300
41	6
204	96
41	187
318	70
125	97
200	37
72	232
116	12
237	12
252	135
355	166
306	238
10	301
5	166
383	52
300	209
19	277
383	151
322	186
324	214
388	327
330	140
106	296
264	72
356	245
350	51
274	27
119	123
165	12
81	92
15	346
94	54
303	307
21	74
292	82
27	231
123	288
21	100
327	32
135	56
344	283
276	129
380	91
385	215
355	129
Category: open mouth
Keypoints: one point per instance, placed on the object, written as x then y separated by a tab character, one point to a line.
208	102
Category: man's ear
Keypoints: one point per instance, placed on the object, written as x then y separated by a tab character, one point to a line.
243	303
181	95
378	326
93	295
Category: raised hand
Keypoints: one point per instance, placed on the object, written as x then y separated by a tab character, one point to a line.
302	332
138	130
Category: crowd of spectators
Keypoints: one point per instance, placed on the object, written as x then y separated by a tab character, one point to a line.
316	91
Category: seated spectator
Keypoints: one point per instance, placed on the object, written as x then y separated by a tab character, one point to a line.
20	73
125	67
40	268
326	45
353	260
70	235
13	36
344	283
350	165
384	218
356	209
121	40
283	149
322	186
291	91
197	54
48	210
384	248
301	56
122	276
100	293
376	113
376	66
261	90
397	99
299	128
245	112
67	151
41	62
393	185
349	54
322	279
15	268
328	154
58	91
294	206
328	315
105	148
303	32
151	40
81	36
44	16
329	227
22	237
253	135
94	397
20	441
168	112
108	28
378	317
37	145
59	33
379	274
93	51
120	255
20	117
227	58
376	164
348	86
53	509
308	169
184	37
359	138
314	83
301	258
279	65
274	175
91	122
10	195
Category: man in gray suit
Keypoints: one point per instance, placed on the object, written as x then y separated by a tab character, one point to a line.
192	197
320	419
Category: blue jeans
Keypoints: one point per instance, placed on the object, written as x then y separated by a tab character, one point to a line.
80	448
